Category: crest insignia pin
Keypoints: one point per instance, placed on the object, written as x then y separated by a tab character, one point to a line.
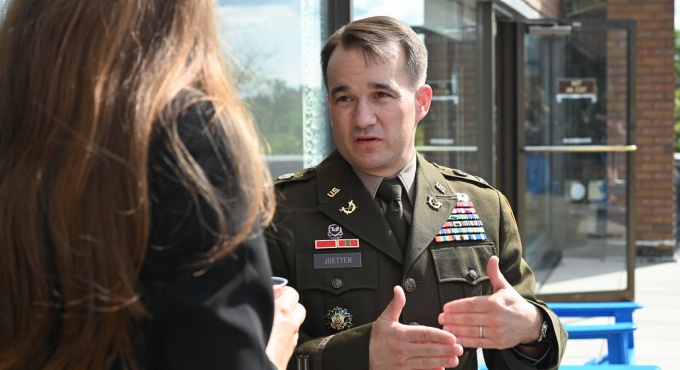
334	231
351	207
433	203
338	319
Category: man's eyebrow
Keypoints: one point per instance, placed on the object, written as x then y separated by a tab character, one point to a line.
371	85
380	86
338	89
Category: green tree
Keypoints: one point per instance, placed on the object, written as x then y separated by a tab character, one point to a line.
276	107
278	114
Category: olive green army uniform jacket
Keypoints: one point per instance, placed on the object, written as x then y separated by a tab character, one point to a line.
331	240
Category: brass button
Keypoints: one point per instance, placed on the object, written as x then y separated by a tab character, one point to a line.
472	274
410	285
337	283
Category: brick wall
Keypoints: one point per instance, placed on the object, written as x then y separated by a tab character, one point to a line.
655	189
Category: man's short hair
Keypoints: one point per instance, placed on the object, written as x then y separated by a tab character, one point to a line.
376	38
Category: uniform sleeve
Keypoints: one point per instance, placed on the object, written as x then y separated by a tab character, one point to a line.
520	276
214	318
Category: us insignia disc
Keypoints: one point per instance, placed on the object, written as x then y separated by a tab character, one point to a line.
338	319
440	187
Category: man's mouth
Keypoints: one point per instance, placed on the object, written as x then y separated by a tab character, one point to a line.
366	139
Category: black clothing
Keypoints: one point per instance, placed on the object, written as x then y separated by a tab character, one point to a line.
214	318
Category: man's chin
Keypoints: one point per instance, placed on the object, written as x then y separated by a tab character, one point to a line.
373	167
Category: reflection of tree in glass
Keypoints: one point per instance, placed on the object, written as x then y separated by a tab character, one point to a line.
278	114
275	106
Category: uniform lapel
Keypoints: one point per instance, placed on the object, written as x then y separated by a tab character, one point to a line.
427	219
340	189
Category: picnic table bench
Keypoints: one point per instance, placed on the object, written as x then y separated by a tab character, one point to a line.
619	335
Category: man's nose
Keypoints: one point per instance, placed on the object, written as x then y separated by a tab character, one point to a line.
364	114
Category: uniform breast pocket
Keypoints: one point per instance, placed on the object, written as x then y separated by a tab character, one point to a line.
461	269
336	272
330	280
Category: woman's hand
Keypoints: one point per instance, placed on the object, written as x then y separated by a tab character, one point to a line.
288	316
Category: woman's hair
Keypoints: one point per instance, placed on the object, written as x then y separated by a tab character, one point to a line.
82	82
376	38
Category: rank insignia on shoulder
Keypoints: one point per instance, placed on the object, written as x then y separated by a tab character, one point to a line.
460	172
286	176
338	319
297	175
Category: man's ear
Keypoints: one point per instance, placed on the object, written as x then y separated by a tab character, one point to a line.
423	100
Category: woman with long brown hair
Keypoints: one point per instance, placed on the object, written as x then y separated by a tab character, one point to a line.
131	194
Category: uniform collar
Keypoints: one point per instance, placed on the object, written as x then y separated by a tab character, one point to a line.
407	177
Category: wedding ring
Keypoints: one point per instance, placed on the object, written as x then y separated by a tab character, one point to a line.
481	331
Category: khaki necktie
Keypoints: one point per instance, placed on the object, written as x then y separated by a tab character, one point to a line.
390	192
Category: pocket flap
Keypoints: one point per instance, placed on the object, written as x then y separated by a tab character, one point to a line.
462	262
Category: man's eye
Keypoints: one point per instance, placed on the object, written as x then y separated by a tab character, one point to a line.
342	99
381	95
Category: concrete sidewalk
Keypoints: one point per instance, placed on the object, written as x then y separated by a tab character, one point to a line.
657	339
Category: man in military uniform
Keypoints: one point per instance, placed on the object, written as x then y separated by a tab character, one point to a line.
399	262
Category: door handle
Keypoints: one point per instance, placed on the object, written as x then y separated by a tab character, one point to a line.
580	149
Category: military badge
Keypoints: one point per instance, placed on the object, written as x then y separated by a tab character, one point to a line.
334	231
482	180
333	192
460	172
463	224
351	207
338	319
440	187
286	176
462	197
433	203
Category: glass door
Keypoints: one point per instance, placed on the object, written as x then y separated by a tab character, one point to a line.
575	150
453	133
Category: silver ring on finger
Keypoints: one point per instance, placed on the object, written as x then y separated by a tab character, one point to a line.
481	331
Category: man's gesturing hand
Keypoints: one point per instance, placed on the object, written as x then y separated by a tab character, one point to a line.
506	318
397	346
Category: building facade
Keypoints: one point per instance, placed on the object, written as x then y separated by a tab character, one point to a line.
567	106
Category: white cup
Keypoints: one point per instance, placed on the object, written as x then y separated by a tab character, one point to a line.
278	281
